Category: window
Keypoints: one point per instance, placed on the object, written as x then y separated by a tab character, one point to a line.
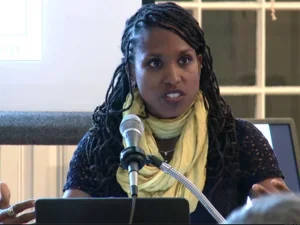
20	30
257	59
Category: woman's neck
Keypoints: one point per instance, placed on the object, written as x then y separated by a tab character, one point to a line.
166	147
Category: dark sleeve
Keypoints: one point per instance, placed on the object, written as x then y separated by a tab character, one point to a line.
79	174
258	160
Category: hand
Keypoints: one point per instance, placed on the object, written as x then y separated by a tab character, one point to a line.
6	210
4	196
270	186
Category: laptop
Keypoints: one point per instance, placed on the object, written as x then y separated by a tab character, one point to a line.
111	210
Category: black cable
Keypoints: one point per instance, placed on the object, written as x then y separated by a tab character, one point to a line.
132	208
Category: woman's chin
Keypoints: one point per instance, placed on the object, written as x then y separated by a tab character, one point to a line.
166	115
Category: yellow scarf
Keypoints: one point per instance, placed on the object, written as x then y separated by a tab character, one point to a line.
189	157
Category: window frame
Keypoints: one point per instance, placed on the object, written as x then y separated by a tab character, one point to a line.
263	9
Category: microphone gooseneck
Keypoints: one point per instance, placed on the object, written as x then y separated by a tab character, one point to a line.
166	168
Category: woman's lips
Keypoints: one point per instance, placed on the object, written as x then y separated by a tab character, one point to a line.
174	96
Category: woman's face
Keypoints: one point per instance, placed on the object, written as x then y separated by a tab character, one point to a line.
166	72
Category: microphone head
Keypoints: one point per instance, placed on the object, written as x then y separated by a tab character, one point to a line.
131	129
131	121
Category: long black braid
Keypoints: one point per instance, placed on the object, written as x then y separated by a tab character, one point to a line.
105	141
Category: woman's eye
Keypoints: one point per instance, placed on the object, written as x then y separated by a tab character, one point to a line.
185	60
155	63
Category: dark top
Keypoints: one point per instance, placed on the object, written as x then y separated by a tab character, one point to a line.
256	159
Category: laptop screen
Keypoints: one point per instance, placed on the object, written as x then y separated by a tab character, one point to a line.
283	141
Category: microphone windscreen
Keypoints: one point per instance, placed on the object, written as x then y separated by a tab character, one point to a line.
131	122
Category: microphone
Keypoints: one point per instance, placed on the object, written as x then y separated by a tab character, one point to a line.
132	158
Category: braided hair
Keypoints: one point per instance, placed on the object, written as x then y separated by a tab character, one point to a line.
105	141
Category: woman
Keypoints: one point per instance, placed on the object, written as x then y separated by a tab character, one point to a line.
166	77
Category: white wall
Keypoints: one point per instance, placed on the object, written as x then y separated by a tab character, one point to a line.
33	172
81	49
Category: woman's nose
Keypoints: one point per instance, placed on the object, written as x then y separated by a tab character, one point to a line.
172	75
